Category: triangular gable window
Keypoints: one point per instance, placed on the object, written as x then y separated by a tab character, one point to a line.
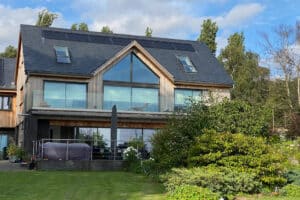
131	69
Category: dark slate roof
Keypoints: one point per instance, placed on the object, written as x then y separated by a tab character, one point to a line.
89	50
7	73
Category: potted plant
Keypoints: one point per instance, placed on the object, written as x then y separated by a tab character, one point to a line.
15	153
12	152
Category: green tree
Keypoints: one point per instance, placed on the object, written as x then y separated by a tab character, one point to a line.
106	29
9	52
208	34
250	80
81	27
45	18
148	32
74	27
232	56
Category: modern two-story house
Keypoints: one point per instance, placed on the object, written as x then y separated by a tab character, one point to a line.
68	82
7	103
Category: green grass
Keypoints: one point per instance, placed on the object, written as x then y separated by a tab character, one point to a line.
34	185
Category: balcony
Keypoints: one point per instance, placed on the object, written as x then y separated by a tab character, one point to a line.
91	108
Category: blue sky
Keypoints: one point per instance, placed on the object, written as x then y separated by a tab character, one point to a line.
179	19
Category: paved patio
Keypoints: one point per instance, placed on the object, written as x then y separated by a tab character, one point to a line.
5	165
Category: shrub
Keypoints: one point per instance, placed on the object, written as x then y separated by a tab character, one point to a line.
171	145
238	116
132	159
217	179
189	192
291	190
244	153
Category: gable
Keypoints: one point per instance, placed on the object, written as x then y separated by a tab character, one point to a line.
131	69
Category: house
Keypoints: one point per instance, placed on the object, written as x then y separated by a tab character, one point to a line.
68	81
7	102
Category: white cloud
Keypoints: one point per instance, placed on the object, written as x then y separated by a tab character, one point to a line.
11	18
239	14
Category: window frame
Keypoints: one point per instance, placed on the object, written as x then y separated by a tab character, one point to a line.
187	60
67	82
67	54
186	89
132	84
2	102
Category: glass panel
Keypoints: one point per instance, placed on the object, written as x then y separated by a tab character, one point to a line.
55	94
145	99
182	96
141	73
105	133
6	103
62	54
187	64
126	135
119	96
1	102
147	135
197	95
119	72
75	95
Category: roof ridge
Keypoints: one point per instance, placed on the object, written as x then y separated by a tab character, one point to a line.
110	34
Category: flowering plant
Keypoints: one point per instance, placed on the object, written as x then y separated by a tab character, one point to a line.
131	154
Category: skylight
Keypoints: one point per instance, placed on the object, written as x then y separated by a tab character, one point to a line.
62	54
186	63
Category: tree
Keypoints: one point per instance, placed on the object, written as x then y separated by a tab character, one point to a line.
208	34
106	29
45	18
74	27
250	79
148	32
9	52
232	56
81	27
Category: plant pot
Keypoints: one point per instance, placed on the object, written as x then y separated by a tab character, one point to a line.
13	159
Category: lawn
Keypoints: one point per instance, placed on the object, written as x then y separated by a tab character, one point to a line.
34	185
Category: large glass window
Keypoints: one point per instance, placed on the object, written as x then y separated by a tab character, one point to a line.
131	86
65	95
184	96
186	63
131	69
131	98
99	136
5	102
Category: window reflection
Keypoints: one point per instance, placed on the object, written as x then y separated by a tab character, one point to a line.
5	102
184	96
65	95
129	98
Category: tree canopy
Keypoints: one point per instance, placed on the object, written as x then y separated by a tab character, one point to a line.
80	27
208	34
148	32
106	29
9	52
45	18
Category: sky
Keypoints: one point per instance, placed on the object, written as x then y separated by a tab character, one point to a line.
180	19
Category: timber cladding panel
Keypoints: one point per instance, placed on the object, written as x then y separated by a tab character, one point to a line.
8	117
106	124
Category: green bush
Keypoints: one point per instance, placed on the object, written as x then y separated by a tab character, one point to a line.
171	145
244	153
238	116
291	190
218	179
189	192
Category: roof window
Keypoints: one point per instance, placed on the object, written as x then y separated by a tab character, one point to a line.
62	54
187	64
